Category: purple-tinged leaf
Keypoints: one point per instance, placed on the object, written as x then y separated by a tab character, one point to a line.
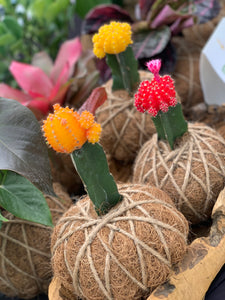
206	10
103	14
150	43
177	19
182	23
177	5
144	7
105	71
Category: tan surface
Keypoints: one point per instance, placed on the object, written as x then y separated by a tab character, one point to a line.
204	259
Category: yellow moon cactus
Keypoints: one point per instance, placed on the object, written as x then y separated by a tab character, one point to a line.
112	39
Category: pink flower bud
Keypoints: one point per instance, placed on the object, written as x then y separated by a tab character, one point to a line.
154	67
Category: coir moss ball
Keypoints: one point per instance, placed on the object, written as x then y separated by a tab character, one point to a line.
192	174
25	257
124	254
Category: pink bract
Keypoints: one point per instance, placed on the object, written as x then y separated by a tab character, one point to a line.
40	91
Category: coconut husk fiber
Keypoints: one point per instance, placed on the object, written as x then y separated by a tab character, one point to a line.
186	73
124	254
192	174
124	129
25	257
121	171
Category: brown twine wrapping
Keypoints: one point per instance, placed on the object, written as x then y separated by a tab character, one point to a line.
192	174
25	268
123	254
125	130
221	129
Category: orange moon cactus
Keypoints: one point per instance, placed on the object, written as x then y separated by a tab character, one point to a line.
66	130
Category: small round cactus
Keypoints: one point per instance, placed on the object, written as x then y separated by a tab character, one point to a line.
66	130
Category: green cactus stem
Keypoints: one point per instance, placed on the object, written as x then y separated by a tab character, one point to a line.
91	164
124	69
170	125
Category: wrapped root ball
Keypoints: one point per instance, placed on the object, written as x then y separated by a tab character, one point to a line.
192	174
124	254
124	129
25	261
186	73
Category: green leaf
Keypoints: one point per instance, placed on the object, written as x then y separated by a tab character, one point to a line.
124	69
22	147
91	164
38	8
2	219
170	125
3	28
13	26
83	7
4	3
6	39
55	8
22	199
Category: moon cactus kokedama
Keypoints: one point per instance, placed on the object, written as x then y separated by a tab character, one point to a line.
116	243
185	160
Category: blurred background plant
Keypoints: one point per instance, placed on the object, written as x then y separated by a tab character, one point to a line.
154	23
28	27
31	26
32	32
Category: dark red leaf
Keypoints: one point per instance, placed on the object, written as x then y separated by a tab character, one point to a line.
96	99
103	14
104	70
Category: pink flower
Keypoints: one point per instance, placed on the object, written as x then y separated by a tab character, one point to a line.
157	95
154	67
39	90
